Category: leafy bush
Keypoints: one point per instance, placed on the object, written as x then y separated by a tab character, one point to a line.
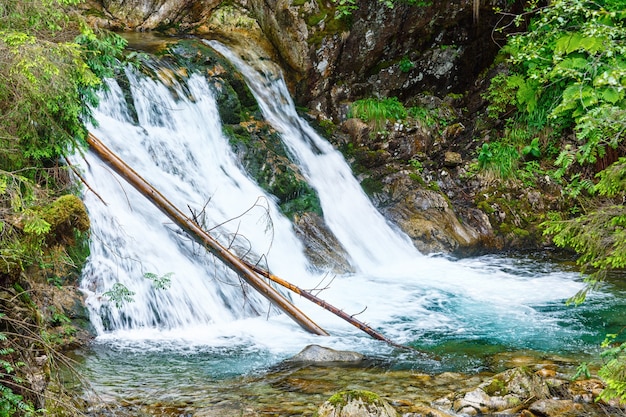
567	72
52	65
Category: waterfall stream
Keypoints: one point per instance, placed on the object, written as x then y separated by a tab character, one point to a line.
174	139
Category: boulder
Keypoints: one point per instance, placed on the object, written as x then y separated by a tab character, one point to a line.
356	403
321	354
554	408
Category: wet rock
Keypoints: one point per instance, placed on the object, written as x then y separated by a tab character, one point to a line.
321	247
429	220
423	411
479	402
356	404
503	393
524	384
472	403
585	391
321	354
358	131
283	26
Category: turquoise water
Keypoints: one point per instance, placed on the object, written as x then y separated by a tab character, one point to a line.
484	341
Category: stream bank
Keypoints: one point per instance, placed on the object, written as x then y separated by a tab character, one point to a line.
522	383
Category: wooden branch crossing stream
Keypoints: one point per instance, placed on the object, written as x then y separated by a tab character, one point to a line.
252	274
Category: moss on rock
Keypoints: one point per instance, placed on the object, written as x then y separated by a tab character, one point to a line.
344	397
264	156
65	215
356	403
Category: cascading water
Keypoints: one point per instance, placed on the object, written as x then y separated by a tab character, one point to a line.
176	143
174	139
346	208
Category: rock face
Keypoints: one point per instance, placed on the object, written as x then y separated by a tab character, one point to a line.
399	52
145	15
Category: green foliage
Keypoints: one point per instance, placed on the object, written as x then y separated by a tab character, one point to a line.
577	185
416	164
11	404
613	372
582	371
599	236
424	115
532	150
406	64
52	64
573	53
498	158
345	8
162	282
379	111
51	67
418	3
612	181
119	294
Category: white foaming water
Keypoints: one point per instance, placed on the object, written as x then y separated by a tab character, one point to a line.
177	145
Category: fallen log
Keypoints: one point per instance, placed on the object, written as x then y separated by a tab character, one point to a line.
201	236
326	306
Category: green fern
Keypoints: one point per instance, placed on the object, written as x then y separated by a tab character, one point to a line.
612	181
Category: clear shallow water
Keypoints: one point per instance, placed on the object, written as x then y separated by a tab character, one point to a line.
203	334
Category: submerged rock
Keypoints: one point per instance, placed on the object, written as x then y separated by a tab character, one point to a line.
321	354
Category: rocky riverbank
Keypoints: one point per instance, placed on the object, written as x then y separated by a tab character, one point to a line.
324	381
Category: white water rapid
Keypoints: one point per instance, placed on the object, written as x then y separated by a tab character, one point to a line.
175	141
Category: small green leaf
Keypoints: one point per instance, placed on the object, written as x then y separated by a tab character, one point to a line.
611	95
119	294
568	43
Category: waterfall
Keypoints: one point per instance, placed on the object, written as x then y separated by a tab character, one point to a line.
177	144
346	207
173	138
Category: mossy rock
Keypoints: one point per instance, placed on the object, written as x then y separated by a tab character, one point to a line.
65	215
265	158
356	403
199	57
